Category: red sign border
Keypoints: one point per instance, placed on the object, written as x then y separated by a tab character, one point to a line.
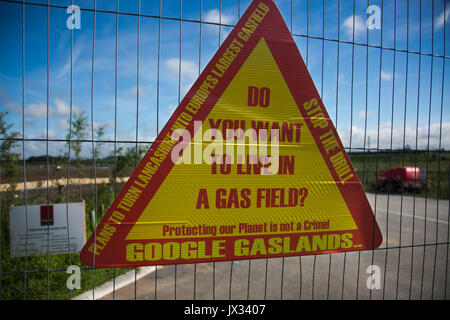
285	52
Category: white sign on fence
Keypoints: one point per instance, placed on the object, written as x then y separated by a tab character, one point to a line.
43	229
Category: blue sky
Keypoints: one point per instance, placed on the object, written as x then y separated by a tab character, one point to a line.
344	99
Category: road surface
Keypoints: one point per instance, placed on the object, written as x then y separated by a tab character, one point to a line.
412	263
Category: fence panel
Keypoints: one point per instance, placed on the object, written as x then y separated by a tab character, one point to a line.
86	86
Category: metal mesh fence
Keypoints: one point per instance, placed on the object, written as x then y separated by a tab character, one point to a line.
85	90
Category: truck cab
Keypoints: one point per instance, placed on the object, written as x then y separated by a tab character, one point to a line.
401	178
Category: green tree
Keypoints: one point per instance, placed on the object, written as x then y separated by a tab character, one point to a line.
104	194
76	134
8	159
127	160
99	132
9	171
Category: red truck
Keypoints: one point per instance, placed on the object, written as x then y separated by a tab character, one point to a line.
399	178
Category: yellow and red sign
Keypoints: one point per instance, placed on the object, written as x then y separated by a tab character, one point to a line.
248	166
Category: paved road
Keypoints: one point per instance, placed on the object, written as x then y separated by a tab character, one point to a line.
412	262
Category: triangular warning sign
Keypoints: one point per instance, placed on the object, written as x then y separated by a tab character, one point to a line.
248	166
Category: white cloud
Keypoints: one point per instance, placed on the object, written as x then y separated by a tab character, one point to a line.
97	125
71	61
443	17
359	25
386	75
171	108
184	89
215	17
189	69
63	109
63	124
39	110
385	133
362	114
51	134
36	110
133	91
